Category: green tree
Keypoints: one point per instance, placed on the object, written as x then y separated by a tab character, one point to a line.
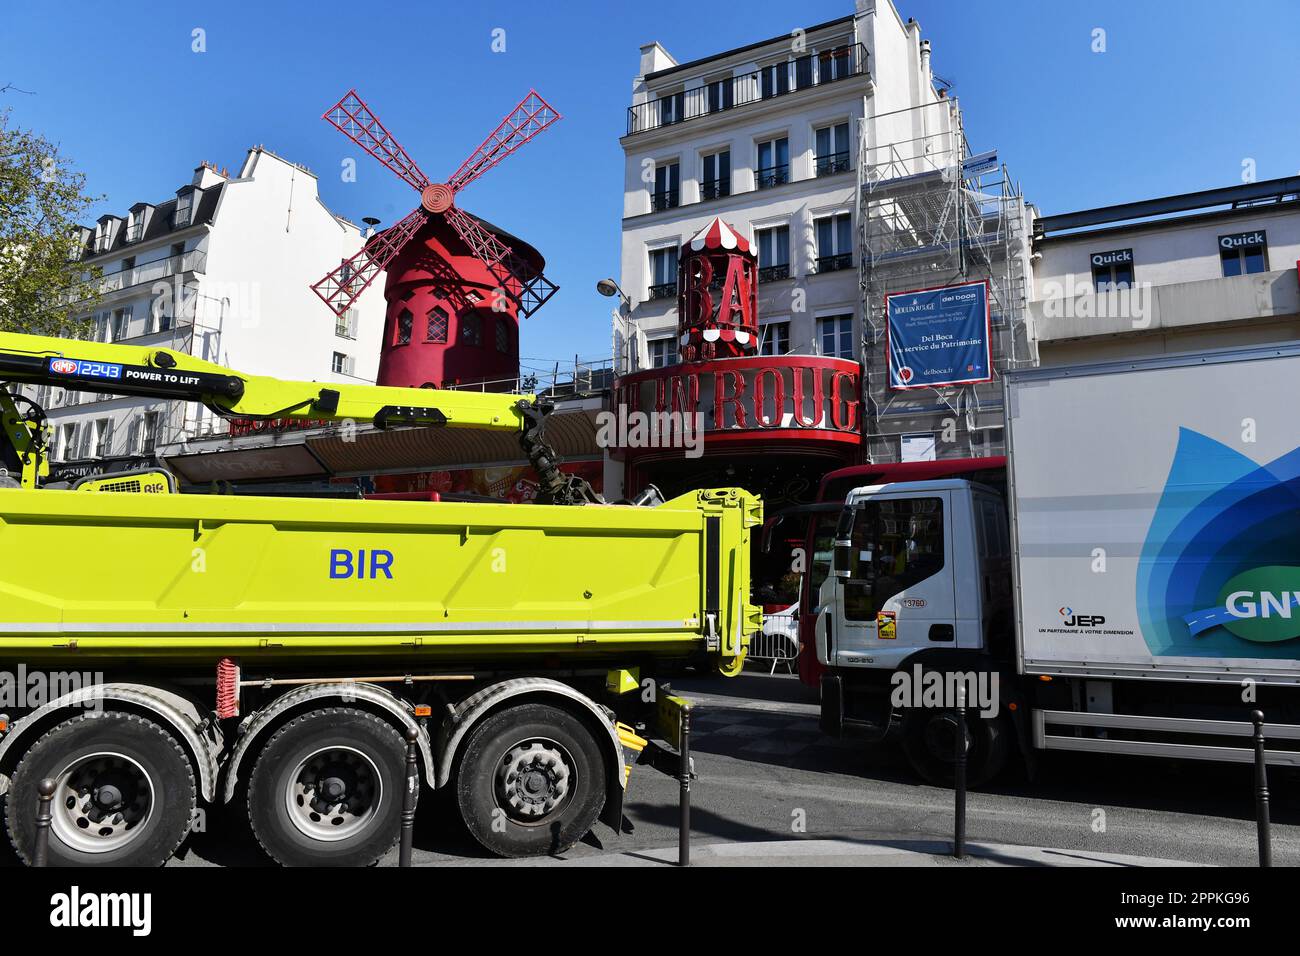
41	203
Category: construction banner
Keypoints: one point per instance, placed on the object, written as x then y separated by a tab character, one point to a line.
937	337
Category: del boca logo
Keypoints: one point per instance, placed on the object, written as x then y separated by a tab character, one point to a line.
1219	573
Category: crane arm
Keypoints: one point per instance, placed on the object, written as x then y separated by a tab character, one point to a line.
154	372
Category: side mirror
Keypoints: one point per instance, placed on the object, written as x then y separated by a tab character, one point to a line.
842	560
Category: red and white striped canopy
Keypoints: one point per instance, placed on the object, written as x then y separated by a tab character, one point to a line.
718	235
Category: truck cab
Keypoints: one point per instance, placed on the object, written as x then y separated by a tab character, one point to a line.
920	577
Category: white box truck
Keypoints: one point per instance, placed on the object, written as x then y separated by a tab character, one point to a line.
1139	593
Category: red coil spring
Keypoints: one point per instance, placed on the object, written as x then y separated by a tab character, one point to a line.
227	688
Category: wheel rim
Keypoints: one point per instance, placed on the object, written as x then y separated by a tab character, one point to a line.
941	737
102	802
334	793
535	780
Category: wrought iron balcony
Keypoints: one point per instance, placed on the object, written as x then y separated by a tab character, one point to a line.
835	263
667	200
665	290
774	273
833	163
715	189
766	177
810	71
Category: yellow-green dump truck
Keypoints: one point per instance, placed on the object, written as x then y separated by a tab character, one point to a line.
161	652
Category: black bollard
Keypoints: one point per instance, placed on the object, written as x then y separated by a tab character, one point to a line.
1261	791
44	817
410	798
959	777
684	779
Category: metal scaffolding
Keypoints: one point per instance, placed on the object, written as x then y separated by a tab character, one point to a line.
929	216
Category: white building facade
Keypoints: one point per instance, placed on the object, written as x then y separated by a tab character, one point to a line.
798	141
222	271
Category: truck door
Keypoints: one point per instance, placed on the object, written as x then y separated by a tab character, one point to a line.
894	579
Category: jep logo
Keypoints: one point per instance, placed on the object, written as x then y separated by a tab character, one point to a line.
63	366
1070	619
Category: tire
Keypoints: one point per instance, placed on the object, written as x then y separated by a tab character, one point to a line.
361	758
548	805
138	770
930	738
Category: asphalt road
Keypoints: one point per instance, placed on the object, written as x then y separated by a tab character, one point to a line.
764	771
766	774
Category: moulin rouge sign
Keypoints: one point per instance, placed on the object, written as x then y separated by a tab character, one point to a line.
767	393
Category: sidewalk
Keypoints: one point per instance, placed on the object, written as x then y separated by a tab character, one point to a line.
822	853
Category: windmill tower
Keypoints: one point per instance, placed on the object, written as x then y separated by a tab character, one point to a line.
456	284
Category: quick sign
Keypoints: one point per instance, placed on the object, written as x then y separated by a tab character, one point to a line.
1113	258
938	337
1244	240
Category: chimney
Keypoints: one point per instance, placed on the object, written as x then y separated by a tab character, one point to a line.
925	58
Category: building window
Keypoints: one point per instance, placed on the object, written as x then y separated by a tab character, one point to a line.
717	175
833	149
121	323
503	335
720	94
405	322
663	273
834	64
667	187
773	253
178	248
128	263
103	237
436	330
671	108
471	328
775	339
345	325
835	336
663	352
834	242
1244	253
775	79
341	364
1112	270
773	163
184	210
101	443
149	428
803	72
66	446
135	226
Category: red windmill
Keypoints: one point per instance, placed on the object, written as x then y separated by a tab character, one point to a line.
456	283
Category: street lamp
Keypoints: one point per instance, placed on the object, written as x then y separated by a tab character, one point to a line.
609	288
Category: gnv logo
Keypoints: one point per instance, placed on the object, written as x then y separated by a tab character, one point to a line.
1070	619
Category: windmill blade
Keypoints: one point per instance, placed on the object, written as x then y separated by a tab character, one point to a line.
355	120
528	288
341	287
530	117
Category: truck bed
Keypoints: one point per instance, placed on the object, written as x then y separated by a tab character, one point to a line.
198	576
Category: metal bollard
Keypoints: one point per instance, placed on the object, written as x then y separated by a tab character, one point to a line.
959	778
1261	791
44	817
684	779
410	798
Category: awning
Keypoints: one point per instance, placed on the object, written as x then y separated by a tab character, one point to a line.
718	235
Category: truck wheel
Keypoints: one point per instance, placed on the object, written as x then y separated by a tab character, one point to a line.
124	794
531	781
327	789
930	740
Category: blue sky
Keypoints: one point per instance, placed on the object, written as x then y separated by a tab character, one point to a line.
1185	92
